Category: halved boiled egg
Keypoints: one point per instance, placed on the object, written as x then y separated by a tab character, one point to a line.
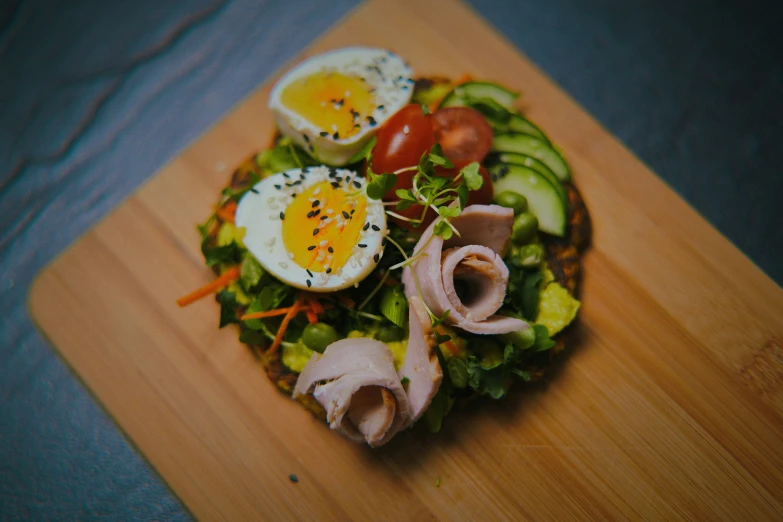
314	228
332	104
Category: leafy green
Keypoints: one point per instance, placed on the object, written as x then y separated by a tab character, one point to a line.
380	185
284	156
228	307
250	272
494	378
215	255
440	406
523	290
473	178
543	341
252	337
443	229
364	153
458	372
394	306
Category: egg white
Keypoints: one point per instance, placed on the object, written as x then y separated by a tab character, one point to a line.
382	70
259	211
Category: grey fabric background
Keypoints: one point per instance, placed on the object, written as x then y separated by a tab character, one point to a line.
96	95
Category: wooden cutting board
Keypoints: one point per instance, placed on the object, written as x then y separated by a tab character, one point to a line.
669	406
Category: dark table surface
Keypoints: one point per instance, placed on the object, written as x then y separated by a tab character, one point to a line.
95	96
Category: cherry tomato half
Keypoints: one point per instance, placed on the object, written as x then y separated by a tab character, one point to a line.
401	142
463	133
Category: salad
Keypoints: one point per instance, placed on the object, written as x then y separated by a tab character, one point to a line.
403	245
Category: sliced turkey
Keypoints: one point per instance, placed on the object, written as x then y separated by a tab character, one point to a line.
355	382
476	257
421	365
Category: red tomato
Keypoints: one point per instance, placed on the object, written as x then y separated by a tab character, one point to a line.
401	142
463	134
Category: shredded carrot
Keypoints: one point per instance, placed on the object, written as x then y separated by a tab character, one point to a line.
347	301
265	314
227	211
450	346
284	325
311	317
225	278
465	78
315	305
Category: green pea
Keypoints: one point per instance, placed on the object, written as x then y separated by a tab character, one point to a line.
390	334
318	336
512	200
525	228
530	256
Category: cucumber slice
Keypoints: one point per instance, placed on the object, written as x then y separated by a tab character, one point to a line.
462	94
531	163
542	197
532	146
518	123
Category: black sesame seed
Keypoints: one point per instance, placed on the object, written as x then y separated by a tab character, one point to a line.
336	135
316	212
381	107
309	284
285	175
383	242
328	270
376	257
352	211
332	172
293	195
366	226
311	247
331	250
346	215
315	232
254	191
310	214
316	203
371	121
278	187
376	228
282	216
324	217
309	272
362	245
338	179
323	134
404	87
306	138
357	126
357	184
335	184
298	182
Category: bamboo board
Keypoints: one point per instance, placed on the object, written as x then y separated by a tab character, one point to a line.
669	407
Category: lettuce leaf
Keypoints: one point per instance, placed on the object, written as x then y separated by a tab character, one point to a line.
495	379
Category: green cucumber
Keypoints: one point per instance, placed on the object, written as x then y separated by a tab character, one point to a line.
518	123
519	143
530	162
462	94
542	197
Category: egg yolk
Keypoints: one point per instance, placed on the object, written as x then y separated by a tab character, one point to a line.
332	101
322	225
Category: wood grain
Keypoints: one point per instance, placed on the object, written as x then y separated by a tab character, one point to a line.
669	407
